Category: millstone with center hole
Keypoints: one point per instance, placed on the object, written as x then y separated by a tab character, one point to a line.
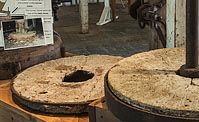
64	85
146	88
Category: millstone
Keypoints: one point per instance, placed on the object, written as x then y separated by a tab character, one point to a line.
14	61
149	82
65	85
22	36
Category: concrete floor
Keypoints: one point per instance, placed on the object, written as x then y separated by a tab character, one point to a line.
122	37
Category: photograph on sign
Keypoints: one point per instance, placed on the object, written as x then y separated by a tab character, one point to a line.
23	33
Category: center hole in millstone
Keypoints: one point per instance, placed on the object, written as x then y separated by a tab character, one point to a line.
78	76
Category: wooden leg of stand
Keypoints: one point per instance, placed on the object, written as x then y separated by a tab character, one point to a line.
113	8
98	112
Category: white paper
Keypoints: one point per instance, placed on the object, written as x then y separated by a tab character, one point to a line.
30	9
48	30
19	7
38	12
29	4
47	27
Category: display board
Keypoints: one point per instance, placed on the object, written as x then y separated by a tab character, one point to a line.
25	23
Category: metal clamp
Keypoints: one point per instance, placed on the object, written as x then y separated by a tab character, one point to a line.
147	14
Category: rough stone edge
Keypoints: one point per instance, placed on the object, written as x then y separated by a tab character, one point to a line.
150	108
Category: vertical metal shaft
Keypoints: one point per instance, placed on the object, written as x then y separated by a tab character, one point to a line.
192	34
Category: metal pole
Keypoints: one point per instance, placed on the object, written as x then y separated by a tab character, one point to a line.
191	69
192	34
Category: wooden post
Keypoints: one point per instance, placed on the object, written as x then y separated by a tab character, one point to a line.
83	7
176	23
180	23
175	14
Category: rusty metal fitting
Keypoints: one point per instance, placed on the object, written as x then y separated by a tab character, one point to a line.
189	72
190	69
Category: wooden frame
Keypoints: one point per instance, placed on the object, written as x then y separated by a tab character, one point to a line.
98	112
11	114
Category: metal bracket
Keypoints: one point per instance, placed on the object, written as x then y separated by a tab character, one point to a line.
191	68
147	14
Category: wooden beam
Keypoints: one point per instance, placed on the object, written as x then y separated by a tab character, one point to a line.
180	35
83	7
98	112
170	22
176	23
11	114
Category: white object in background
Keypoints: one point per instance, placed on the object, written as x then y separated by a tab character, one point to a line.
170	22
175	23
106	16
83	7
1	38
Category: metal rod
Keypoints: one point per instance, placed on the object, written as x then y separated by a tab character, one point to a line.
192	34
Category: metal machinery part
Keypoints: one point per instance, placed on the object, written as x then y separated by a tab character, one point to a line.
148	14
191	69
55	7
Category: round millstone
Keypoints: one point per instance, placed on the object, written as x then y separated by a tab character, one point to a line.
65	85
150	81
22	36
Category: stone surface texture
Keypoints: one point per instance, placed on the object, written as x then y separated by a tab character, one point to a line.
43	82
149	82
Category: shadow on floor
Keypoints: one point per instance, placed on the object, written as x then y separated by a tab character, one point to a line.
121	38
